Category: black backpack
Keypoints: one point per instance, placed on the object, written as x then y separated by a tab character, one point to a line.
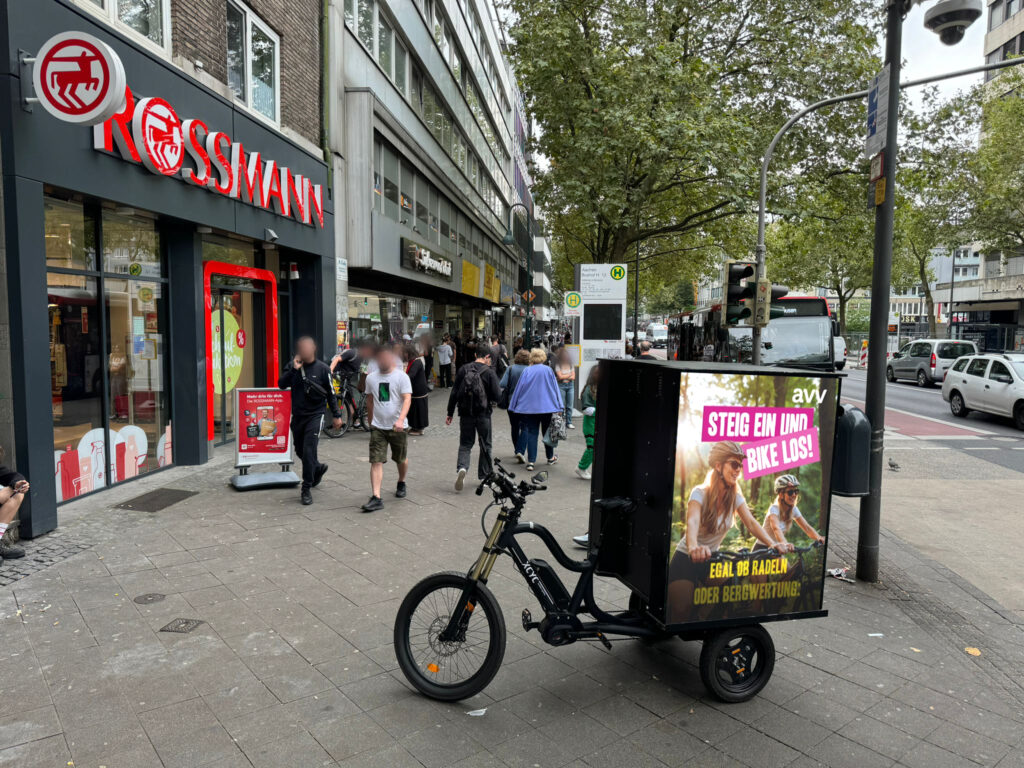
473	397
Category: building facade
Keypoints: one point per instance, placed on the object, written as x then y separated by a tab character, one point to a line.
1005	36
154	263
424	136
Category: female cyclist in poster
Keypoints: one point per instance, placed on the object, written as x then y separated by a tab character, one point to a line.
710	513
784	512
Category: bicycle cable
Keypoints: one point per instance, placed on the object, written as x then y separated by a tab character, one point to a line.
483	518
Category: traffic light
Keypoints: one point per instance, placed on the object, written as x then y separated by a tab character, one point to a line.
767	293
737	291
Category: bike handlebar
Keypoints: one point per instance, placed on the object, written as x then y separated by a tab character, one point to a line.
763	552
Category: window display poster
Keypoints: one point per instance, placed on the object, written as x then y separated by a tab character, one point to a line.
751	496
263	436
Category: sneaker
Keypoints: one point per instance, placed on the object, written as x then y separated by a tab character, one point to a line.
583	474
400	490
520	458
553	460
307	496
582	541
10	551
572	426
460	479
318	474
529	467
373	504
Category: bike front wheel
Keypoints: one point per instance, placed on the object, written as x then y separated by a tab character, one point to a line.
448	670
346	421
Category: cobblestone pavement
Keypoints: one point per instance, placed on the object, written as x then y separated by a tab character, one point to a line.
293	664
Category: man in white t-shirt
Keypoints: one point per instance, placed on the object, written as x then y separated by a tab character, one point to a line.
388	396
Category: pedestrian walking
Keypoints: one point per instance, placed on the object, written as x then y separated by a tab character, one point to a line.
309	379
499	356
416	369
474	394
508	387
645	351
389	397
565	372
588	404
535	399
445	356
427	352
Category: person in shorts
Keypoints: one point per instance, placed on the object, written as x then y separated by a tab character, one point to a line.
388	397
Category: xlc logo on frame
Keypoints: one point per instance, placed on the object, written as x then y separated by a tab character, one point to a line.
79	79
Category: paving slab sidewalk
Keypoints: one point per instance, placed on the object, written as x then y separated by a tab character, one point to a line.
293	664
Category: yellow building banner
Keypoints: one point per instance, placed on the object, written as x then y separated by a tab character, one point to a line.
495	296
470	278
488	281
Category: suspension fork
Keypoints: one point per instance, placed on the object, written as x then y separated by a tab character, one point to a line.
478	574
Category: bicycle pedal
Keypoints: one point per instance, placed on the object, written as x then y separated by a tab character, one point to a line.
528	622
604	641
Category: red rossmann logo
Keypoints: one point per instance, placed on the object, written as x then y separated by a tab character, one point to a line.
150	132
78	78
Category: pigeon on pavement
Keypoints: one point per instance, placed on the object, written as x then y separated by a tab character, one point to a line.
894	466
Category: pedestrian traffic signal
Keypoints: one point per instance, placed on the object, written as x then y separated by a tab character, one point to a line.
737	291
767	293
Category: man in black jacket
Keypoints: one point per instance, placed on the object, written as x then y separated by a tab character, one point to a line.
475	392
310	382
13	488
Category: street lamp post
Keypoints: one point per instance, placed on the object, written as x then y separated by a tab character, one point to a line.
870	509
509	239
636	303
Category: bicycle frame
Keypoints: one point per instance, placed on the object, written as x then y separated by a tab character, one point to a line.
502	539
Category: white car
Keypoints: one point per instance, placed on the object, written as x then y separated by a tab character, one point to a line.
839	352
992	383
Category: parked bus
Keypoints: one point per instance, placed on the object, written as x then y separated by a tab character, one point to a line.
800	338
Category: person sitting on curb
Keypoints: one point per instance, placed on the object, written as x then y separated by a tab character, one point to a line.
13	487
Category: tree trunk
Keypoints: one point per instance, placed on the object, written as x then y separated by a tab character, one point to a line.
929	300
843	301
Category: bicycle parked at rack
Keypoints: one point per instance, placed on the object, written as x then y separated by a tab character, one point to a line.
353	407
450	633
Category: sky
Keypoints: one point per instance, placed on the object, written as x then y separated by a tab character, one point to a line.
924	55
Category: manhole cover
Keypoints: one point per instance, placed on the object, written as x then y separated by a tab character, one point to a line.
154	501
149	597
182	626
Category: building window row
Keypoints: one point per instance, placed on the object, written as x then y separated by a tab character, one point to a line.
253	61
1008	50
377	34
427	103
1001	11
402	194
445	40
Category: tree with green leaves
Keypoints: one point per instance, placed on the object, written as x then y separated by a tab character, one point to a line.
654	116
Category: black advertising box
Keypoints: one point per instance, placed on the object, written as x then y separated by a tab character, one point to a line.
730	469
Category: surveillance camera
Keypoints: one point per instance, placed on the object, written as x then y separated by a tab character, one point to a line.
949	19
270	235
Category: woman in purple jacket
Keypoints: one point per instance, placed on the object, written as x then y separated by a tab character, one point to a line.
535	398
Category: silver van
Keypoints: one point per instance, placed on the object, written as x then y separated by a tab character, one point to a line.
927	360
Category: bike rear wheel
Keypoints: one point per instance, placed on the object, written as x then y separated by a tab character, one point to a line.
736	663
448	670
346	421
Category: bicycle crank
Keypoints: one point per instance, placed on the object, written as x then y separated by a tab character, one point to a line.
528	622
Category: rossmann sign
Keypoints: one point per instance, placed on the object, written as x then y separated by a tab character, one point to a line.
80	79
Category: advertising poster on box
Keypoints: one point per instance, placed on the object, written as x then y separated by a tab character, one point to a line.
263	436
751	497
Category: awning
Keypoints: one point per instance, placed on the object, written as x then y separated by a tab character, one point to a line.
986	306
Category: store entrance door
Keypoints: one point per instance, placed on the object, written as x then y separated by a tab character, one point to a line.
238	347
241	340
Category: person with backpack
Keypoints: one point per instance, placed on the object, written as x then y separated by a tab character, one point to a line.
474	393
535	400
499	356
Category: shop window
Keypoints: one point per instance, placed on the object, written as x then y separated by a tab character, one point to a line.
253	61
70	237
148	19
109	383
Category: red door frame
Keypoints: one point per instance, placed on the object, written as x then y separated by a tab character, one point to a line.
211	268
